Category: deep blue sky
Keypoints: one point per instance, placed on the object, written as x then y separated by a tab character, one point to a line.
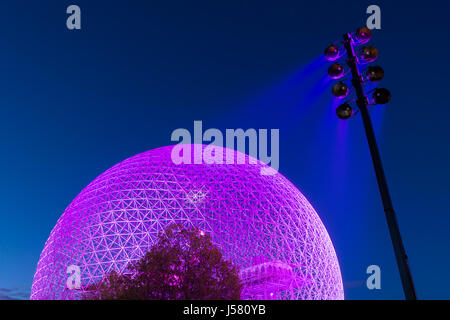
74	103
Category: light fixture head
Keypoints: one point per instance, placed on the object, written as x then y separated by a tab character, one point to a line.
344	111
340	90
363	35
336	71
374	73
369	54
331	53
381	96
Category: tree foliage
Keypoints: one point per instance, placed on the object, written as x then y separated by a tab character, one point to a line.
183	264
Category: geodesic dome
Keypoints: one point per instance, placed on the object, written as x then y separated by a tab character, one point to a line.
118	216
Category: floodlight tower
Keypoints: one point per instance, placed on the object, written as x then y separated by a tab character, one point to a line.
344	111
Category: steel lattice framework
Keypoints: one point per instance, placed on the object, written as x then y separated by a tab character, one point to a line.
118	216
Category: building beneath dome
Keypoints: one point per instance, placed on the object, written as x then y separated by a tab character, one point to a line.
269	280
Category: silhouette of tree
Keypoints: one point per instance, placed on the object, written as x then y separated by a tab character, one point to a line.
182	265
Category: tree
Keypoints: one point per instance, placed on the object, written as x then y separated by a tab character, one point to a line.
183	264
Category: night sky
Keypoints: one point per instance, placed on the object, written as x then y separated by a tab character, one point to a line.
74	103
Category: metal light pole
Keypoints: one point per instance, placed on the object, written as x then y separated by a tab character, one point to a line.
346	112
362	102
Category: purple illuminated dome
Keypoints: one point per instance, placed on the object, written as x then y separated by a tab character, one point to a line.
261	222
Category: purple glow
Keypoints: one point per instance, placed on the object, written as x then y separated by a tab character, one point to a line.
262	223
